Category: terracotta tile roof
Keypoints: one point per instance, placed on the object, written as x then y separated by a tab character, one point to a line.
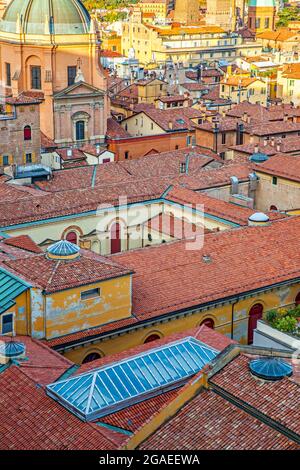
115	130
180	118
24	242
42	364
174	227
107	53
249	148
186	280
25	98
291	71
238	80
278	400
208	422
280	35
224	124
76	154
30	420
171	98
215	177
284	166
195	86
46	142
253	110
271	128
288	145
133	417
56	275
217	207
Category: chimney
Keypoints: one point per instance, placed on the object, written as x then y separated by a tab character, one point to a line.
170	125
265	142
182	168
251	138
98	149
256	148
285	117
278	146
245	117
273	141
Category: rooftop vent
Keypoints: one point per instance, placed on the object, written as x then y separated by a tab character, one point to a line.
104	391
69	152
206	259
270	368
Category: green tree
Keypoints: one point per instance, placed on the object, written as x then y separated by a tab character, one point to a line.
286	15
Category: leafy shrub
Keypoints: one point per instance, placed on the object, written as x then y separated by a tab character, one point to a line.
287	324
271	316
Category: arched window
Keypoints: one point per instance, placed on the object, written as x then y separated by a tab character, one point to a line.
91	357
273	208
80	130
115	238
72	237
255	314
27	133
151	338
208	322
297	299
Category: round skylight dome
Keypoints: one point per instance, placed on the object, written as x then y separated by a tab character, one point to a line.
63	250
11	349
259	217
258	157
270	368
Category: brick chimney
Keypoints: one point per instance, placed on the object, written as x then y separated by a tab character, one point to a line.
170	125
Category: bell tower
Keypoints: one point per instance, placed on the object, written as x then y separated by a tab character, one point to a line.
186	11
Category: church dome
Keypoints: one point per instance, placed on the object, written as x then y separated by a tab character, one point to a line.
46	17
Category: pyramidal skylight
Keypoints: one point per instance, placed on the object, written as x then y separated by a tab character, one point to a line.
108	389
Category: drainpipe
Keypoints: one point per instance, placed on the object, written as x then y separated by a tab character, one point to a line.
232	316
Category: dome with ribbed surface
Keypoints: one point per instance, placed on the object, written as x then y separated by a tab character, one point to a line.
46	17
63	250
270	368
12	349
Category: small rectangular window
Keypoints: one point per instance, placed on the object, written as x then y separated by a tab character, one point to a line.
8	74
90	294
126	155
28	158
36	81
72	71
7	324
5	160
274	180
223	138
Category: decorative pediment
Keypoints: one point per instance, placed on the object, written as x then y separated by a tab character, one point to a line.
79	89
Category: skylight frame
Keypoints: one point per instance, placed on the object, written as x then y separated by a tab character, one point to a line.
141	377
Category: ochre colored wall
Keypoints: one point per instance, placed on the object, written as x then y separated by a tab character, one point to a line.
221	315
64	312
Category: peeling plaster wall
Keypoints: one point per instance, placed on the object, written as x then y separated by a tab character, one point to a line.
37	314
66	313
222	316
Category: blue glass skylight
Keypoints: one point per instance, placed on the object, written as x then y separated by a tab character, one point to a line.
270	368
103	391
